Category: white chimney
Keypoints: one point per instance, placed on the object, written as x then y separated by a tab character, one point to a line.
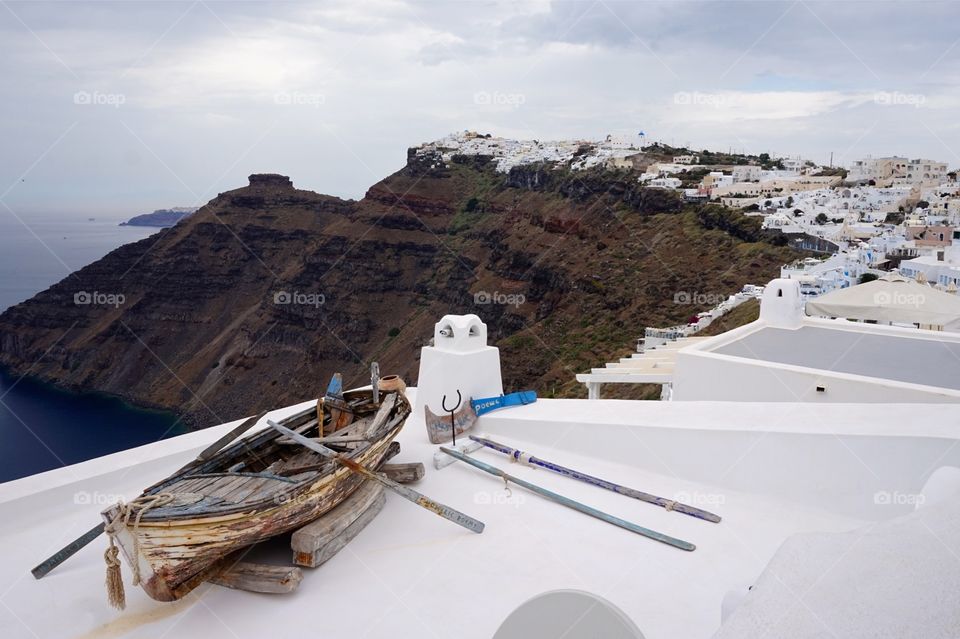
459	360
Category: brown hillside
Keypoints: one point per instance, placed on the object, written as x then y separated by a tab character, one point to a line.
255	300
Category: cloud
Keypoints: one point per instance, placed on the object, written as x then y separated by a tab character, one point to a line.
724	106
333	93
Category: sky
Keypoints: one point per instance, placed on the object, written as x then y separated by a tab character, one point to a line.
126	107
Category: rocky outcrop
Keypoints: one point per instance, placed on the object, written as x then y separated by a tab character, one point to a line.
270	180
257	298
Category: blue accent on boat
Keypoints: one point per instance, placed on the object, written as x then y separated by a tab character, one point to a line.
335	387
487	404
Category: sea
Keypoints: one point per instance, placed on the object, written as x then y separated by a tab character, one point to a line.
41	426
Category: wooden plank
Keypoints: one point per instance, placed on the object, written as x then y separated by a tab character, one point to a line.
403	473
341	439
252	577
226	485
386	409
392	451
325	553
239	493
316	543
297	470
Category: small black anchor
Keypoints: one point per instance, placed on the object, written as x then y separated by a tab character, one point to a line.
453	426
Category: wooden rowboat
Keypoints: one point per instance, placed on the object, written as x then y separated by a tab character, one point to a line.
177	534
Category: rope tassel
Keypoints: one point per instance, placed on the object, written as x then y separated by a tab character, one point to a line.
115	592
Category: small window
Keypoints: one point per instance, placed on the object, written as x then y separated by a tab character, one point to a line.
779	292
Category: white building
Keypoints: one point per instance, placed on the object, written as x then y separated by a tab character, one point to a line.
898	171
794	165
786	356
816	276
616	141
665	182
940	267
747	173
686	159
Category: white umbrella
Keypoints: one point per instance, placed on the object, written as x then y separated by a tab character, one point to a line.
892	298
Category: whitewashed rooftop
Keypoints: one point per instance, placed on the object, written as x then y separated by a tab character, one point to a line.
771	470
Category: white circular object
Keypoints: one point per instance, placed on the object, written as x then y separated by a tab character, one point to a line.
571	614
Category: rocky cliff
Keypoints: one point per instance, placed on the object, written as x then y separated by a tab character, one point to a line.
254	300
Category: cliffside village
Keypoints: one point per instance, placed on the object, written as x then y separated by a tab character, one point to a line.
883	214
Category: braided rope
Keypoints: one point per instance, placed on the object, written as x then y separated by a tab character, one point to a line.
111	556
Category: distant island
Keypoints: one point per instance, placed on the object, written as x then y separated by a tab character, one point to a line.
161	217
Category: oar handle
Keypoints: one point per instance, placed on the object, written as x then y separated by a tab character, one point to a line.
66	552
419	499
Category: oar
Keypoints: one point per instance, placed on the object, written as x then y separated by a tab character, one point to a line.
66	552
44	567
569	503
215	447
446	512
669	504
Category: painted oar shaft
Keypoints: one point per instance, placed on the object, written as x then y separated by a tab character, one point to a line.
419	499
41	570
669	504
570	503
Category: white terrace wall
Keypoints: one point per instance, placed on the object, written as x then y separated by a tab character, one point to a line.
703	376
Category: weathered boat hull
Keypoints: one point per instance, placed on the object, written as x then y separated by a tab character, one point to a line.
174	556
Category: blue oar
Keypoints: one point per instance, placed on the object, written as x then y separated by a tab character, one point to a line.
669	504
569	503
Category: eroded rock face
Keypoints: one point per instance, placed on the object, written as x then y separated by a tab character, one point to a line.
270	180
257	298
